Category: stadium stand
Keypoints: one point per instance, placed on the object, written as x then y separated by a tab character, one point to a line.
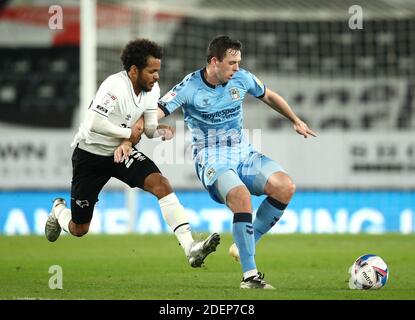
319	49
40	86
381	56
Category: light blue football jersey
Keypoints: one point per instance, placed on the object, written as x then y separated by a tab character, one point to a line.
213	114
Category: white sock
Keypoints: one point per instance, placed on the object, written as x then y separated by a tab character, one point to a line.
184	235
175	216
250	273
64	216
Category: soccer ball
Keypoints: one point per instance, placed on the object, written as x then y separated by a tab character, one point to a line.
234	252
368	272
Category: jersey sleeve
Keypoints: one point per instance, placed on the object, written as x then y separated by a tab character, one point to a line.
150	112
105	100
255	86
178	96
154	98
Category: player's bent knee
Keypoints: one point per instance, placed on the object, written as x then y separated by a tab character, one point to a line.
158	185
290	189
285	192
238	199
79	233
280	186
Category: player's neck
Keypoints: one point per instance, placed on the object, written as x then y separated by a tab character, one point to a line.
137	91
210	76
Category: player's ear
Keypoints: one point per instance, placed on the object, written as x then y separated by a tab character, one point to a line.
133	69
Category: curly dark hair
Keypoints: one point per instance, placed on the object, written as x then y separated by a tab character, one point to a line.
136	52
219	45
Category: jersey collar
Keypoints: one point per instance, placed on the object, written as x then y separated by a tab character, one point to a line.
136	99
202	74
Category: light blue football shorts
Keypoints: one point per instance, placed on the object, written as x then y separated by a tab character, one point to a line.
234	166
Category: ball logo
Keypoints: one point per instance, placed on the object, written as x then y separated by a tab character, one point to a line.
367	278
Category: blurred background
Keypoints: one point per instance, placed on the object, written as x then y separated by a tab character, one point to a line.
351	80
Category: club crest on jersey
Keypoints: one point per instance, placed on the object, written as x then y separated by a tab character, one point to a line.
234	93
210	173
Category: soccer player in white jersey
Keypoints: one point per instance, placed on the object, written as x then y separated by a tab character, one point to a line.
227	165
114	115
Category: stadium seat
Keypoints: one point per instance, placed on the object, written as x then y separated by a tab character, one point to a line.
8	94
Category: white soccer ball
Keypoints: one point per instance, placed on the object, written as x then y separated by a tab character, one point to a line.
234	252
368	272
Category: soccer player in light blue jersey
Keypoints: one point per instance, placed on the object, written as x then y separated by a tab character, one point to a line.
226	164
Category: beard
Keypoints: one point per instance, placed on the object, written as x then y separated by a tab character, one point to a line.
143	86
146	89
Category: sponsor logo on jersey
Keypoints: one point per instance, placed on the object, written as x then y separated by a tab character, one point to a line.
102	109
108	100
222	115
168	97
234	93
82	203
135	155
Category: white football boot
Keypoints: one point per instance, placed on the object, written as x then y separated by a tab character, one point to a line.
201	249
52	227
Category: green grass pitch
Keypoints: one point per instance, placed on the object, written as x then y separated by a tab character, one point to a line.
154	267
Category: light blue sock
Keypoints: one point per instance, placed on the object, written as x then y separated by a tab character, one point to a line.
268	214
243	234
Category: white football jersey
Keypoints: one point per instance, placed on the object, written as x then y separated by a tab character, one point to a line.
115	100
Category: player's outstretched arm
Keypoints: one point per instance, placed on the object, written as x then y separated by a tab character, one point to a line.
153	129
276	102
100	124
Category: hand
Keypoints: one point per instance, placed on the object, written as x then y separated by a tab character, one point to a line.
137	130
302	128
166	132
123	151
